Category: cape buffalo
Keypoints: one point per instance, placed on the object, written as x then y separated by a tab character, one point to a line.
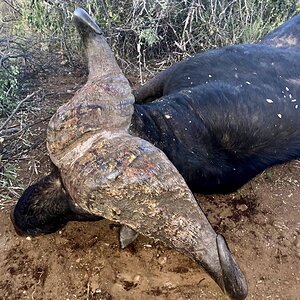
221	117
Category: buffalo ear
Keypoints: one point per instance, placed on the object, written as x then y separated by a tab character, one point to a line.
43	207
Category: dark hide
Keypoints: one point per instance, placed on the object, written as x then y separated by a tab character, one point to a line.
219	153
286	35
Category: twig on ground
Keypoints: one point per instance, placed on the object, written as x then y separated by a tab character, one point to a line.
17	108
12	6
9	131
24	128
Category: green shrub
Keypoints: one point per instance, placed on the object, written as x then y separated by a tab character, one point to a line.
9	87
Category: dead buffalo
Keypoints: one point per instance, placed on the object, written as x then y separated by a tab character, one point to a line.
220	117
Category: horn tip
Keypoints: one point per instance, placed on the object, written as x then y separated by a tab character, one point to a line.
235	284
83	20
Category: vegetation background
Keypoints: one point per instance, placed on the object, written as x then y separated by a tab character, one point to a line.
38	36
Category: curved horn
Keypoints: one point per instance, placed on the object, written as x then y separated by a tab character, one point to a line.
123	178
104	104
101	60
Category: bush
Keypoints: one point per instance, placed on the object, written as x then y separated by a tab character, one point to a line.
146	29
9	87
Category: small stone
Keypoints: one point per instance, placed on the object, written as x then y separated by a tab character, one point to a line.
162	260
170	285
280	224
28	238
242	207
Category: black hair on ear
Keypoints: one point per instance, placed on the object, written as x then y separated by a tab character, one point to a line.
43	206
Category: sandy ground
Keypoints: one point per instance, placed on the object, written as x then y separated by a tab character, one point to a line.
261	223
